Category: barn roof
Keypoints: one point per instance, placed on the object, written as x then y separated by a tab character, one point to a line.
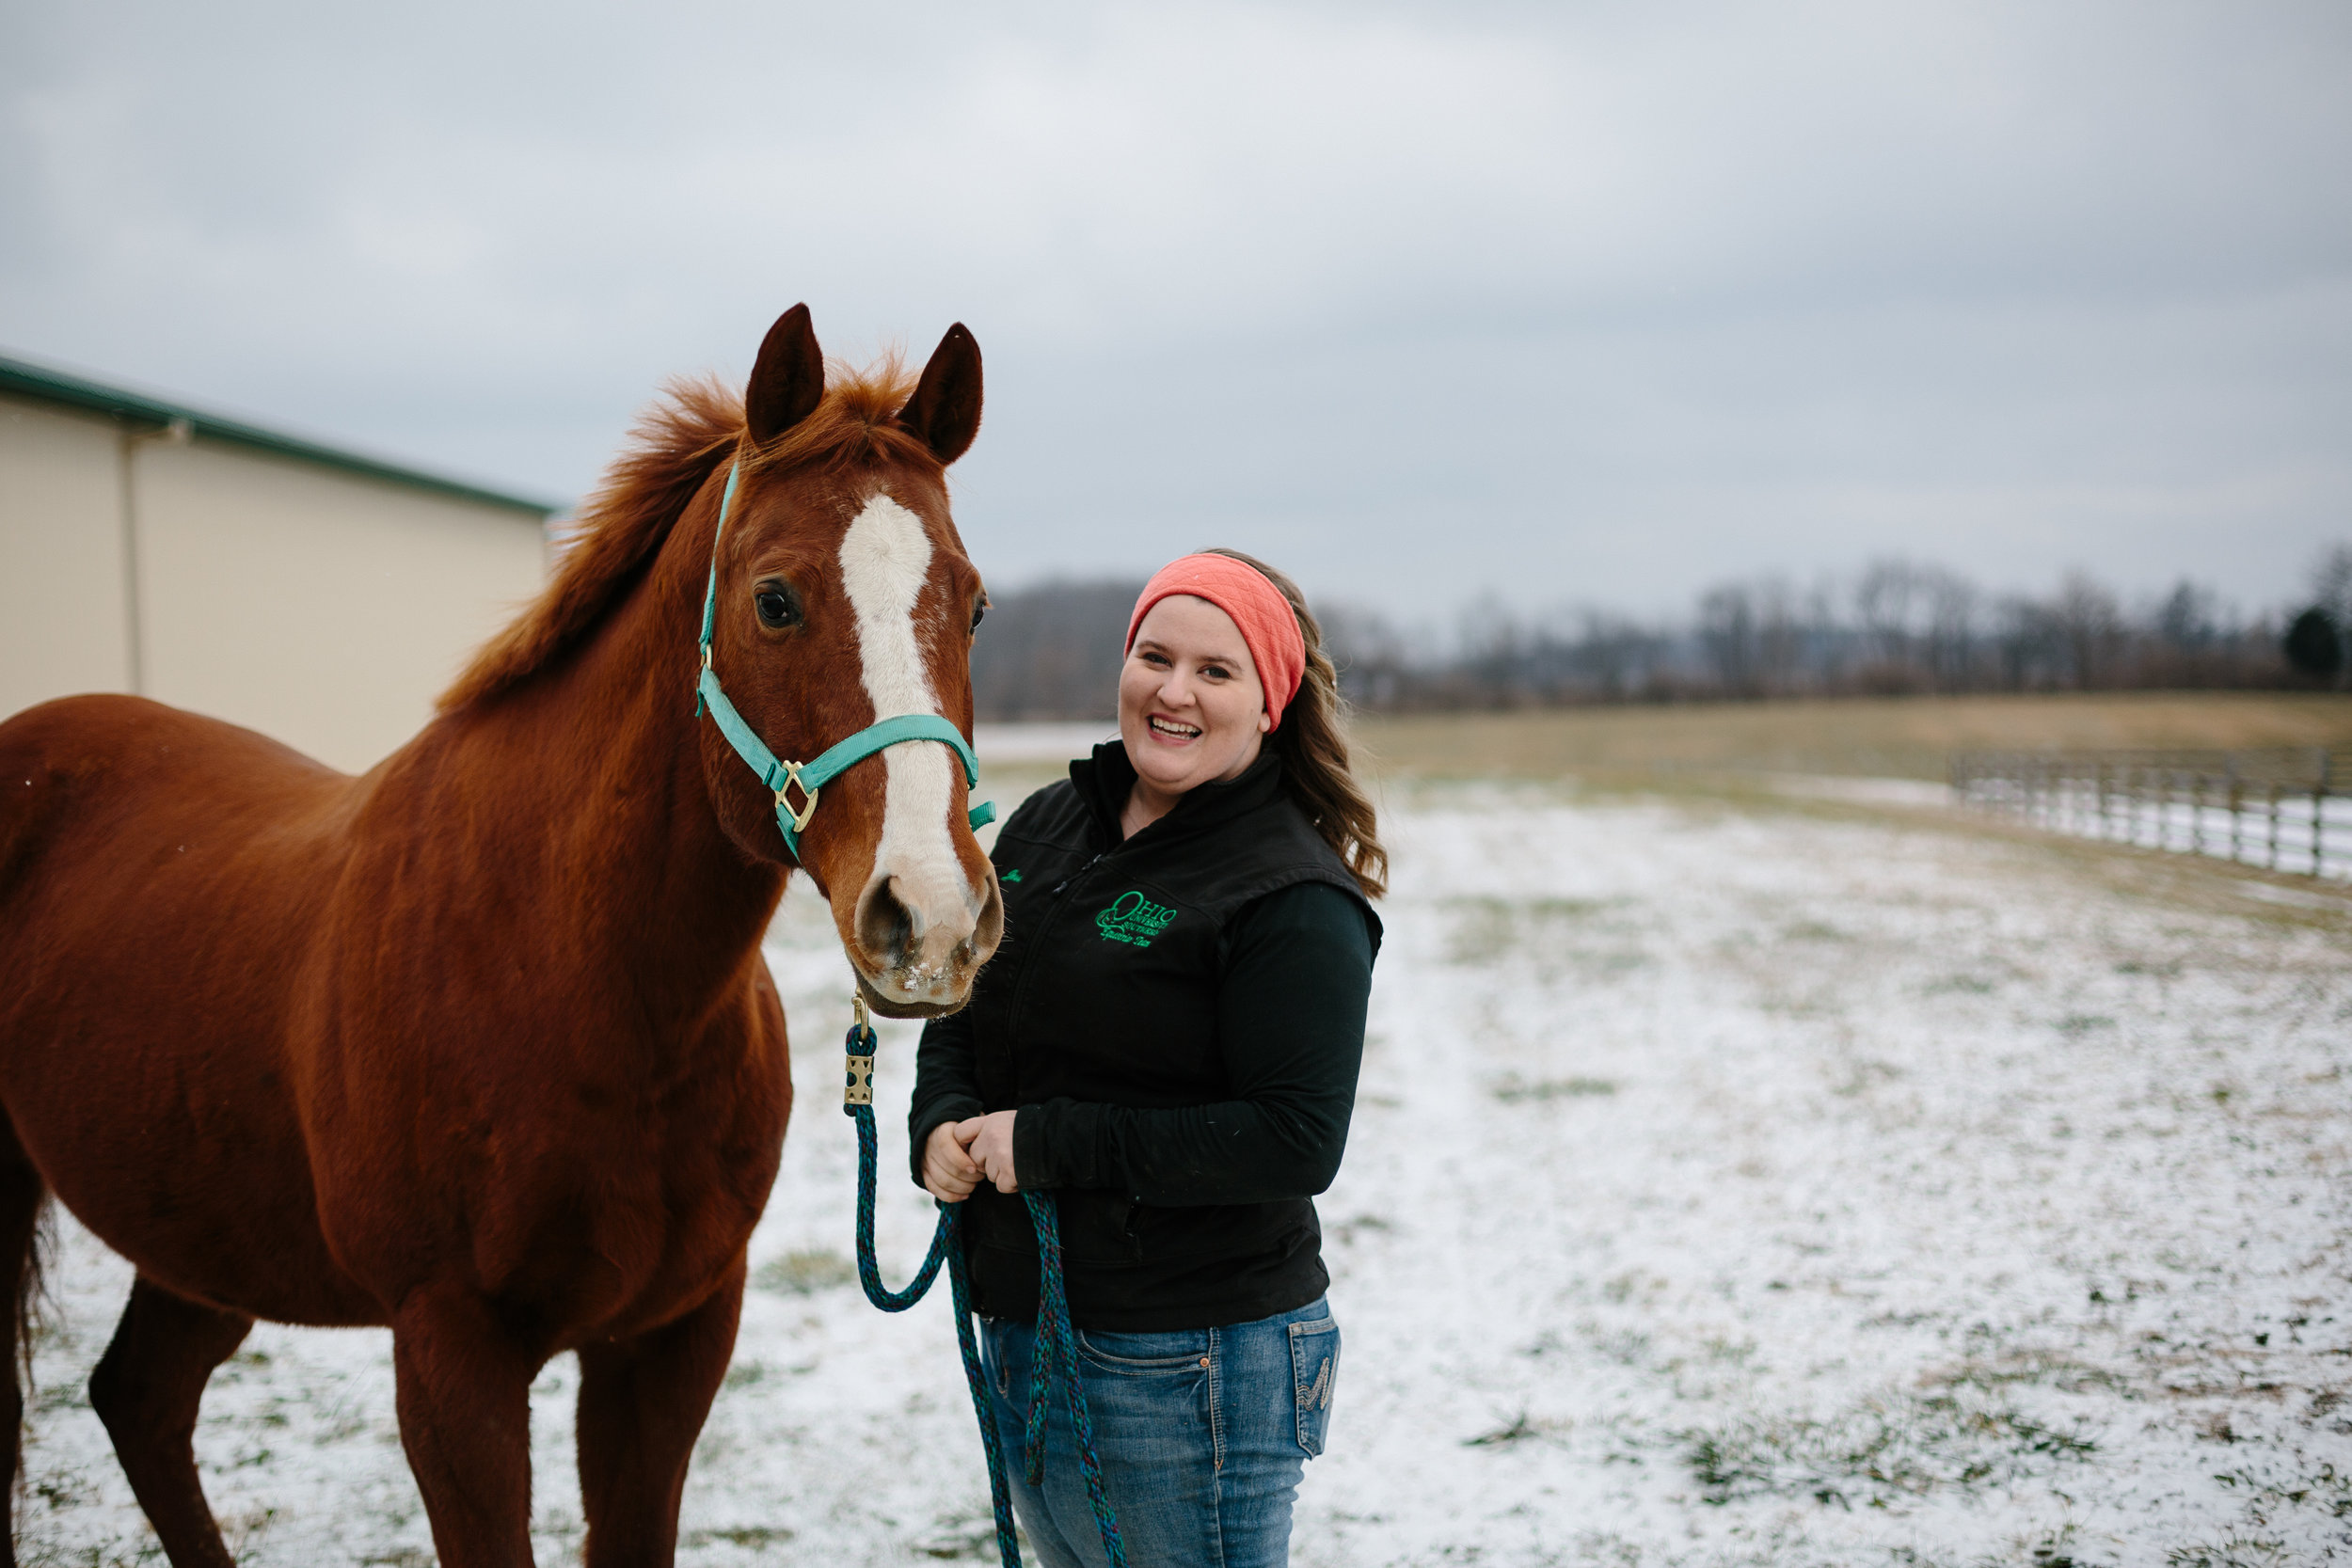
139	411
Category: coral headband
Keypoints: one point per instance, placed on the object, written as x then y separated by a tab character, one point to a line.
1268	625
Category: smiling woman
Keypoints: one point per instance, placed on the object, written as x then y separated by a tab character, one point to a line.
1191	707
1171	1046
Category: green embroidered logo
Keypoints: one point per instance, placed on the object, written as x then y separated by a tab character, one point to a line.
1132	918
1012	875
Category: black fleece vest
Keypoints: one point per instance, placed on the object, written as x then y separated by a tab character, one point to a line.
1105	991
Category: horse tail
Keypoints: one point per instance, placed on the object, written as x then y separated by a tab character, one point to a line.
26	1232
32	1279
27	1236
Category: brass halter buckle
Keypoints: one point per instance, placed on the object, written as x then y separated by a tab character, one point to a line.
791	779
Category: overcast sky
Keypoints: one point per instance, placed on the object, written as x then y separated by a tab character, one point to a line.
1578	304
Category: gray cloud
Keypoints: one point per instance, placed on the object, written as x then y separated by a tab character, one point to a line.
1599	304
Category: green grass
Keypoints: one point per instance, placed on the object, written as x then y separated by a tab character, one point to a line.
805	1272
1898	1445
1513	1090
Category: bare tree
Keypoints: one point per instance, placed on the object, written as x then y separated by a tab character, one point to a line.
1951	630
1883	601
1782	636
2187	620
1494	647
2090	625
1052	651
2331	583
2030	648
1727	635
1615	654
1373	657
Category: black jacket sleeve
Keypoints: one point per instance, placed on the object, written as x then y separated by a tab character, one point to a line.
946	1085
1296	973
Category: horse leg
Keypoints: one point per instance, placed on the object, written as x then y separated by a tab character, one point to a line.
641	1404
146	1391
20	1195
463	1381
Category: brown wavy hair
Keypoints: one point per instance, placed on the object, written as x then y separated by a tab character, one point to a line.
1312	742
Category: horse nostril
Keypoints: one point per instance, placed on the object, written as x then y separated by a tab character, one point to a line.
988	928
885	928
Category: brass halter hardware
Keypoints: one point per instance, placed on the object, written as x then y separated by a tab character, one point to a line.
800	813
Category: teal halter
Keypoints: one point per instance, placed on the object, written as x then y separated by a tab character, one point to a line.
810	777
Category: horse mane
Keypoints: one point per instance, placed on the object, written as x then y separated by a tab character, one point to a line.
694	426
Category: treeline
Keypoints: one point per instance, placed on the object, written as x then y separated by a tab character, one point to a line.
1052	652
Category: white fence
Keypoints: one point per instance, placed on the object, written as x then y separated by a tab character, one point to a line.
2283	810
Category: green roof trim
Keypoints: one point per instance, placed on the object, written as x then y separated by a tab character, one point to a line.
42	384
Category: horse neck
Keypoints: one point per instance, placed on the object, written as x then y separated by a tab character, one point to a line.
601	802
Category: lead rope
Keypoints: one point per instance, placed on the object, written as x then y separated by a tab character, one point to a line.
1055	1347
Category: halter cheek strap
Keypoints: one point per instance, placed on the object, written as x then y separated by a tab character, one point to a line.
809	776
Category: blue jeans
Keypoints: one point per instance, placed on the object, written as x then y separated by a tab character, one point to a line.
1203	1432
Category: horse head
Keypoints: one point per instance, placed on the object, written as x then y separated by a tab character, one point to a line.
841	597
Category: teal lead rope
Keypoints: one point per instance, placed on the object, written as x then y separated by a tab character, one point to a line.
1055	1349
1057	1344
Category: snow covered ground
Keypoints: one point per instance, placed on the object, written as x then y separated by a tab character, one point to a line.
1756	1186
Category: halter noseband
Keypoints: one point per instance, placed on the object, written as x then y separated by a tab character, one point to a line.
810	777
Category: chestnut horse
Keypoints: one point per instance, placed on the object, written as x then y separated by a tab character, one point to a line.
479	1045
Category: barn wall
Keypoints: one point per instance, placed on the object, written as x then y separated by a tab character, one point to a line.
64	620
324	608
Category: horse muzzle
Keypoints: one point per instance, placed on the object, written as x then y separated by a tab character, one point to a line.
917	950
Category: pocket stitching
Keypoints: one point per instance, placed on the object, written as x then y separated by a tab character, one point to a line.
1108	1362
1317	1395
1313	1399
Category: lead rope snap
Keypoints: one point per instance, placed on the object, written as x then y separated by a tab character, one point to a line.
858	1089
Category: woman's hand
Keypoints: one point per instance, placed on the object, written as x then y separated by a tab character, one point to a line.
949	1173
989	1142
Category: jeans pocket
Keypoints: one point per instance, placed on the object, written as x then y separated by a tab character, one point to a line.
1314	1367
1144	1354
994	1364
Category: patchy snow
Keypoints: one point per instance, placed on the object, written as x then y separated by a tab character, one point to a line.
1861	791
1727	1188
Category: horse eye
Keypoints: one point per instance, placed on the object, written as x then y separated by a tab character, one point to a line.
776	609
979	613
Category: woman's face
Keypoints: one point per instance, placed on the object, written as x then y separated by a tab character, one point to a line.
1190	706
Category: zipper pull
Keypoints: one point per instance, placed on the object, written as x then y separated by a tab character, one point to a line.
1075	875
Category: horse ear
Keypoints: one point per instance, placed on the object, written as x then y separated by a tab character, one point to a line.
945	410
789	379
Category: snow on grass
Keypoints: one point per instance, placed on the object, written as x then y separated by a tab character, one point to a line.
1724	1188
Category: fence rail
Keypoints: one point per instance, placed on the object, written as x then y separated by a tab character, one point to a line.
2284	809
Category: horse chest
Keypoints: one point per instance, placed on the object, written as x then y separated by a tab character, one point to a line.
615	1201
640	1214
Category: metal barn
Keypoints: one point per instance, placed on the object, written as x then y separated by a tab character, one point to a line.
318	595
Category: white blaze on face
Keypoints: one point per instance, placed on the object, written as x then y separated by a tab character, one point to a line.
886	560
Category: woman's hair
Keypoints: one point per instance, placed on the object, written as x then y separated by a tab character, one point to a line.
1311	741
